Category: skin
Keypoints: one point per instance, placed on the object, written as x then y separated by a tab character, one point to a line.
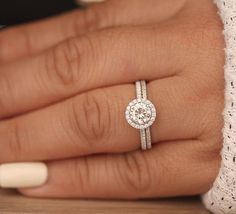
65	83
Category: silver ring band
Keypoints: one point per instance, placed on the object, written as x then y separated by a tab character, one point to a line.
141	93
141	114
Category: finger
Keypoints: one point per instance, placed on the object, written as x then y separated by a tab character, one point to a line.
86	63
32	38
169	169
29	39
95	122
135	12
89	1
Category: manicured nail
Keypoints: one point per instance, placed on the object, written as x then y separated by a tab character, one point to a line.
90	1
23	175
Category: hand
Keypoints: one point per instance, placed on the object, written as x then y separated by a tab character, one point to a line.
65	83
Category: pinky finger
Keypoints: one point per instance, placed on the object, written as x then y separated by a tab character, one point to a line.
164	171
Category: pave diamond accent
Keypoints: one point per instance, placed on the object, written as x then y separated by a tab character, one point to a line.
140	113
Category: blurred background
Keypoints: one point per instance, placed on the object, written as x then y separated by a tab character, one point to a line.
19	11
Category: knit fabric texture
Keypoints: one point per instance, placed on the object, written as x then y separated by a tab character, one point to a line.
221	198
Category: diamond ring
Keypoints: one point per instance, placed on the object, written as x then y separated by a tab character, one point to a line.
141	114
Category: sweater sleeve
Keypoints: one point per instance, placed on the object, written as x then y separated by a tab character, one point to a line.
221	198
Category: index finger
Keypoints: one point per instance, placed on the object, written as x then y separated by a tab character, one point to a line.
28	39
36	37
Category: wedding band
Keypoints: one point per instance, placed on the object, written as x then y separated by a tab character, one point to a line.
141	114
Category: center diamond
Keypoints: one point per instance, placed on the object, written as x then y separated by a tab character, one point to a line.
140	113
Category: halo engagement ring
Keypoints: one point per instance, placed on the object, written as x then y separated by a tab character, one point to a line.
141	114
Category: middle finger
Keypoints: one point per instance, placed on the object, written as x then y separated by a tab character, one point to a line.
96	60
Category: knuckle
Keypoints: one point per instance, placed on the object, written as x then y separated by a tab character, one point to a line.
6	95
90	19
15	141
80	174
211	30
209	149
65	64
200	90
62	63
92	51
204	34
135	173
92	117
212	121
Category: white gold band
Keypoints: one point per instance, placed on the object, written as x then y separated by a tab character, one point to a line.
145	134
141	114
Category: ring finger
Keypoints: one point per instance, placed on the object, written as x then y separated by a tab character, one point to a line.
94	122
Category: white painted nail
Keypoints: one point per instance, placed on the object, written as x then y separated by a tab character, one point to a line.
90	1
23	175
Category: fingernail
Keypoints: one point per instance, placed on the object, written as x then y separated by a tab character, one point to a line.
90	1
23	175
